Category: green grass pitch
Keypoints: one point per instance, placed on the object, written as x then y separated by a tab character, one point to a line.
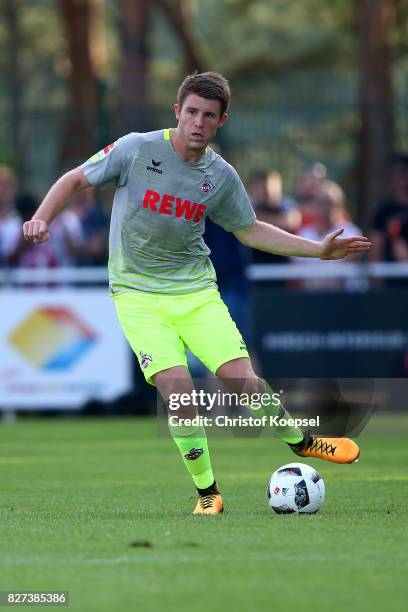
102	508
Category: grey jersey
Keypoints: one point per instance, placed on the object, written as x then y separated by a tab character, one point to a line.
159	209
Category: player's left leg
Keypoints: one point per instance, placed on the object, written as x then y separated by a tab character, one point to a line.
210	333
303	444
239	376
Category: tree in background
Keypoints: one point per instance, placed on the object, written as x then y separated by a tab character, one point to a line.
135	21
179	14
11	14
292	66
134	28
80	128
376	20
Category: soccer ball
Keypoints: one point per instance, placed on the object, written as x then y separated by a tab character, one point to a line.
295	488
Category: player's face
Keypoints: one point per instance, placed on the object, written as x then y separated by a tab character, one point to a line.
199	120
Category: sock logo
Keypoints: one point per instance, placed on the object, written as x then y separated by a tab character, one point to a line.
194	453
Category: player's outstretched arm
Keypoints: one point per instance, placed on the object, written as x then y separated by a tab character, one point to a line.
267	237
54	202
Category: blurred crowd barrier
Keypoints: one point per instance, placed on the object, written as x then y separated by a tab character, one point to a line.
62	348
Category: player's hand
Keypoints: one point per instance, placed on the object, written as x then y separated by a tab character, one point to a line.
333	247
36	231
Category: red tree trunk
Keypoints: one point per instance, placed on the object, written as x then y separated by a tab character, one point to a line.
81	124
178	16
10	12
135	114
376	138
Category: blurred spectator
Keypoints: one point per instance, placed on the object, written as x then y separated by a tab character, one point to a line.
307	189
63	246
230	259
10	223
95	228
329	213
390	227
271	205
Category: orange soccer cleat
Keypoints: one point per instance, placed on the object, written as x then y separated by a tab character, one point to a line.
337	450
209	501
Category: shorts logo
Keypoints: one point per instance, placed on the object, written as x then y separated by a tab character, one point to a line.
145	359
243	346
207	185
194	453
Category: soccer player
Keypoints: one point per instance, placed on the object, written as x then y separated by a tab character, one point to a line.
161	278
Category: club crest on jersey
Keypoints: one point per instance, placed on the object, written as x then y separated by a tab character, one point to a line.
207	185
145	359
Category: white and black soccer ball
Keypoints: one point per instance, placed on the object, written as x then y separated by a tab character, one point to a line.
295	488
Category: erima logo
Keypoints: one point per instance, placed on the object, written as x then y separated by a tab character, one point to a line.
155	167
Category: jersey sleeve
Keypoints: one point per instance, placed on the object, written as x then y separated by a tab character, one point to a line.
234	210
112	164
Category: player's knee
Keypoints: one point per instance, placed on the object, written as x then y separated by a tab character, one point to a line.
236	368
175	386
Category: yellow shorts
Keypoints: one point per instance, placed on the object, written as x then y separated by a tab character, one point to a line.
159	327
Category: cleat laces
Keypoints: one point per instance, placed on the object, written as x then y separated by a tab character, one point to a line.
320	446
206	501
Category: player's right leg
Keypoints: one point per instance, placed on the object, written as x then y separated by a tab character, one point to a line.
190	438
161	354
